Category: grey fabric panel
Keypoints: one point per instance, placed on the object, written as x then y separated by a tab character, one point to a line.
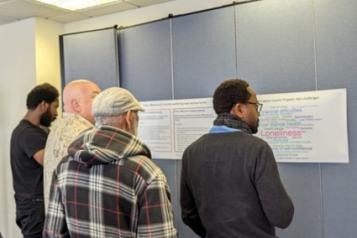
302	182
275	46
91	55
145	60
203	52
336	35
275	50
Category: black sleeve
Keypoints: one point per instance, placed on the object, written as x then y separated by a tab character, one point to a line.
189	212
275	201
32	140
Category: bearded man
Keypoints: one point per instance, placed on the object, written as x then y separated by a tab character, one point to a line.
28	141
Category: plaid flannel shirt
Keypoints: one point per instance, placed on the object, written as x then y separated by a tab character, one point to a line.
108	187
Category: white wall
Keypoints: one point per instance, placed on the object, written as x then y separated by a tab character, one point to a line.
29	55
17	77
48	67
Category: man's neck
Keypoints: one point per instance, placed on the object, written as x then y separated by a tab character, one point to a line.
33	118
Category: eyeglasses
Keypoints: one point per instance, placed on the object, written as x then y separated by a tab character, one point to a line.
258	106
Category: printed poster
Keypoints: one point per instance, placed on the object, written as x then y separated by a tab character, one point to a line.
302	127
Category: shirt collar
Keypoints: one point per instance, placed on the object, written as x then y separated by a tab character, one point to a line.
222	129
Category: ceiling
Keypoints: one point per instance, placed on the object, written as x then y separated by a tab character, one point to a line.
14	10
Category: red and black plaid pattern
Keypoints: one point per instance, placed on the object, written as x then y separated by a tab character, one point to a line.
109	187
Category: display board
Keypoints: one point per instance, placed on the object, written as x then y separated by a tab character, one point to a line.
90	55
300	127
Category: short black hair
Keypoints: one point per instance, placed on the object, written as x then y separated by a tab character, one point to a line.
43	92
228	93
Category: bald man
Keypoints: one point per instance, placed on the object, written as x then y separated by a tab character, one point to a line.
78	96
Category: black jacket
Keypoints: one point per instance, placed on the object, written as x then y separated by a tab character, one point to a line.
230	187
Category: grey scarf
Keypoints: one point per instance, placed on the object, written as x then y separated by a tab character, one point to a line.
230	120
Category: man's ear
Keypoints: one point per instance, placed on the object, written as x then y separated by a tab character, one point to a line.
43	106
238	110
128	119
75	106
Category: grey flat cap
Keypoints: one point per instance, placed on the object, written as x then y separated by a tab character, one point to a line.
114	102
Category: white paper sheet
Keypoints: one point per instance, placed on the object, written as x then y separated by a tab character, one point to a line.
303	127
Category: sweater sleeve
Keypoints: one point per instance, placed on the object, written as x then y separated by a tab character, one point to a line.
189	211
275	201
155	216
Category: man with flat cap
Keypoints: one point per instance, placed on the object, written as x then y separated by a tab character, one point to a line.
107	185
